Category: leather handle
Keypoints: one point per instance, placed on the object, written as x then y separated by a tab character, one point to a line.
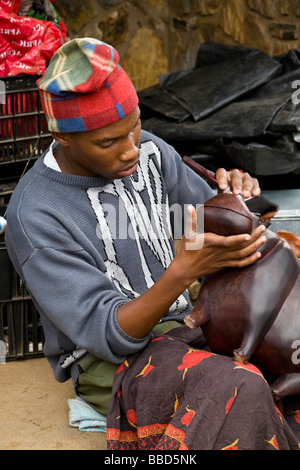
207	174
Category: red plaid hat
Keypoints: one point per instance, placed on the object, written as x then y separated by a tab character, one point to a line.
84	88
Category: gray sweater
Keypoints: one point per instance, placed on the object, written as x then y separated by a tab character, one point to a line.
86	245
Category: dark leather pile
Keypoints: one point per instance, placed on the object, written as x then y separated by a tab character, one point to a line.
238	107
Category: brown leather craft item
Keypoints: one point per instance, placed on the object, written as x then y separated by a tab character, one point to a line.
252	313
293	240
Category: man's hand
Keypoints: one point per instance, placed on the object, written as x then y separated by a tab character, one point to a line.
237	182
199	254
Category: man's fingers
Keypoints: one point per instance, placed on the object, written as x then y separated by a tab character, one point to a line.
241	241
248	251
191	223
244	261
255	187
243	183
222	178
238	250
238	182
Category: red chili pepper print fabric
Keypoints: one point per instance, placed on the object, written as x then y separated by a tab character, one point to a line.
173	395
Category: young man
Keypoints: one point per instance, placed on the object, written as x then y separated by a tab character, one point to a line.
90	232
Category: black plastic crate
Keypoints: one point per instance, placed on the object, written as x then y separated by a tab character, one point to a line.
21	332
11	286
6	274
22	122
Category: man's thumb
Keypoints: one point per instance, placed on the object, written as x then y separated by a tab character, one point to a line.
191	223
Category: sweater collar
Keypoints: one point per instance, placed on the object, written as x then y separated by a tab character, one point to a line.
68	179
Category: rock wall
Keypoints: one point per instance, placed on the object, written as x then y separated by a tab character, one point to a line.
158	36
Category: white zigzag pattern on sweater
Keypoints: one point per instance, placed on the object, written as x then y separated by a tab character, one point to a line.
155	231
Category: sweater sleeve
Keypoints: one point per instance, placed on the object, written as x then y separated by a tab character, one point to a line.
79	303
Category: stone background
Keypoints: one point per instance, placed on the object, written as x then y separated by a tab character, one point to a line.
158	36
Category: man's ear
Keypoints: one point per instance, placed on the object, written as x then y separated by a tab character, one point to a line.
61	138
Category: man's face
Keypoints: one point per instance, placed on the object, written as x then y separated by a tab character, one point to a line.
112	151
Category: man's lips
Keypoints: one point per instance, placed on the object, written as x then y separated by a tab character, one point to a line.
130	169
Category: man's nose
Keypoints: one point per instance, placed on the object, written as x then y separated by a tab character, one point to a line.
130	149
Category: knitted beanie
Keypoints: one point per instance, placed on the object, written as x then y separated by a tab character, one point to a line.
84	88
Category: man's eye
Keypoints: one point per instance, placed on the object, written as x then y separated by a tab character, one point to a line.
138	123
107	144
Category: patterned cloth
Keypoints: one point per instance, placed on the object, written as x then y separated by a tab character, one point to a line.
84	88
176	396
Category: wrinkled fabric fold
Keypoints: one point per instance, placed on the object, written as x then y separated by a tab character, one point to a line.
232	94
203	90
192	399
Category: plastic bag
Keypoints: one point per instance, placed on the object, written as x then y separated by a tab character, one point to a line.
26	44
